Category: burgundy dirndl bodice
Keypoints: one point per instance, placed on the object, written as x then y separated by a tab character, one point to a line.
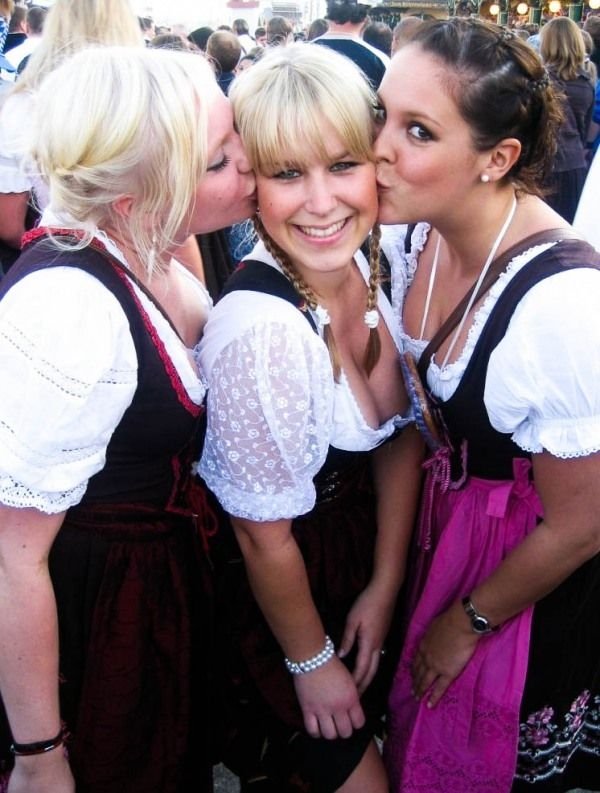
130	575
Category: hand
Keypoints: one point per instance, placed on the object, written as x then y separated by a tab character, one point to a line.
367	624
47	773
441	656
329	701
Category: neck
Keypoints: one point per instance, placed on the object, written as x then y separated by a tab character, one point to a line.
135	263
469	237
348	28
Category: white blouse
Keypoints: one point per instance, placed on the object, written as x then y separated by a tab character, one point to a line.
542	378
69	372
273	406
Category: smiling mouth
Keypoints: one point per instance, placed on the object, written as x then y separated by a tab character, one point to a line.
328	231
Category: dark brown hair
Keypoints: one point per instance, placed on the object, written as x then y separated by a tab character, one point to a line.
501	90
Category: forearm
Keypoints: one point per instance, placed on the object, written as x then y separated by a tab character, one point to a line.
535	568
568	536
397	475
28	624
279	582
29	654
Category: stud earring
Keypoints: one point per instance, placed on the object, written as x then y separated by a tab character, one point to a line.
485	177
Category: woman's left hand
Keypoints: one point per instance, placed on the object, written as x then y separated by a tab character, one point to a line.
367	624
443	653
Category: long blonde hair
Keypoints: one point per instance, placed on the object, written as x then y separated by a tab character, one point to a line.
137	127
281	107
73	25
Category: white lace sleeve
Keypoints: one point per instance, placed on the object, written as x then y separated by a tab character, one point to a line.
269	406
542	380
69	371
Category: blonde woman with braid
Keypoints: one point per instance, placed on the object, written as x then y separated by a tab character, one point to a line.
304	446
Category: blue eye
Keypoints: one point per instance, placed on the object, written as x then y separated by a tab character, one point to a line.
289	173
344	165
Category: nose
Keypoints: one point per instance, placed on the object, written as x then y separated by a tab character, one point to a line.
321	199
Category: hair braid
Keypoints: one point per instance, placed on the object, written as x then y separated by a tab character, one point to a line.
373	348
303	290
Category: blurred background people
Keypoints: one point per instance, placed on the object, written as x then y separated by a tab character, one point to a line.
242	31
279	32
224	49
346	20
316	28
404	30
34	27
71	25
563	51
200	36
378	35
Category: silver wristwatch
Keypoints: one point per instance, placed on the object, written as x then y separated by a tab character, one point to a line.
480	624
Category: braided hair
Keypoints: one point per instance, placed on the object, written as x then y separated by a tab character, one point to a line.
373	348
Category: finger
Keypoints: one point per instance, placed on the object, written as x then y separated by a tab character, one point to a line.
425	681
357	716
343	725
363	661
348	639
312	725
363	684
327	727
438	690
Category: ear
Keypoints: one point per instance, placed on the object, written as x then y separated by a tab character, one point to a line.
501	159
123	206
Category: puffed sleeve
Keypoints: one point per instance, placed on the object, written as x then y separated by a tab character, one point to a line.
69	371
542	380
269	407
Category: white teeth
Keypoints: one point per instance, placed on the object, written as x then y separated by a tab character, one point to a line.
312	231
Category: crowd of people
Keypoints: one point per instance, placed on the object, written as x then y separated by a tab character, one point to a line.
299	425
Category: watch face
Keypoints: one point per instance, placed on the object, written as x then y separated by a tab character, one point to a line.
480	624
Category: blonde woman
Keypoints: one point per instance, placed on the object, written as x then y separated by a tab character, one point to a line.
563	51
71	25
303	447
102	570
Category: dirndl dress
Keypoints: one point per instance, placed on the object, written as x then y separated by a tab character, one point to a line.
524	715
132	583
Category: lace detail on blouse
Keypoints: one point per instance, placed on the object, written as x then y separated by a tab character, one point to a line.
444	381
269	411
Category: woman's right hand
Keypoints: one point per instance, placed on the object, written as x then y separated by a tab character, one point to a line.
329	700
42	773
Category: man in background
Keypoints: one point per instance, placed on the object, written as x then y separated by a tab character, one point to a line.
346	20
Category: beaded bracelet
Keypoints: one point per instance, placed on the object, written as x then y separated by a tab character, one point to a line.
39	747
320	659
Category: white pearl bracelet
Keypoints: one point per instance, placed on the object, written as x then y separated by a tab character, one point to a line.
320	659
